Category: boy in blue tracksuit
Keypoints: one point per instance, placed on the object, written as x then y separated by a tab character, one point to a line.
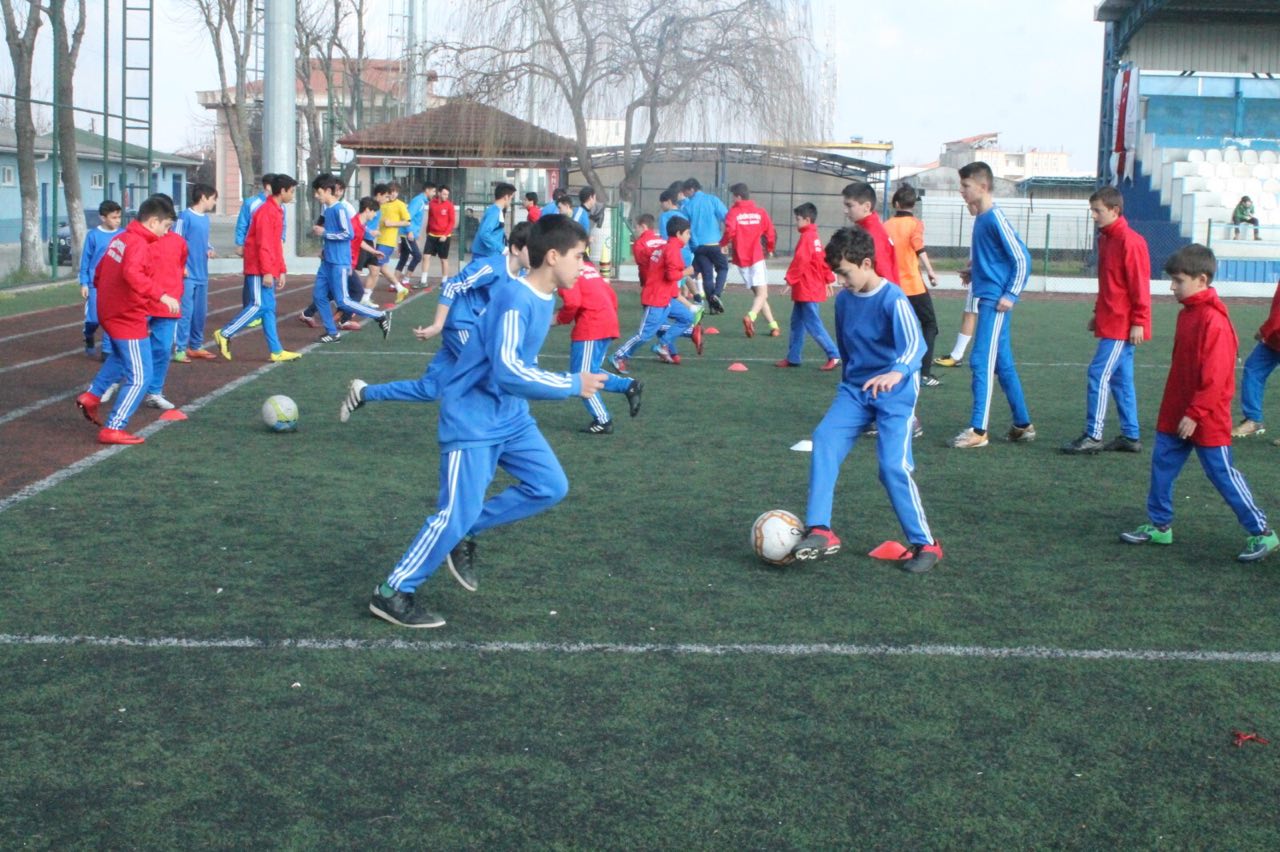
193	227
463	299
998	270
95	246
491	236
881	345
485	423
335	264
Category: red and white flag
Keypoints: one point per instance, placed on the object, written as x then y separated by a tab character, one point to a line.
1124	148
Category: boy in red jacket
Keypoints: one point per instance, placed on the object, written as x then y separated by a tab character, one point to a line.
860	209
169	264
663	301
264	271
1195	412
1121	320
127	290
810	279
591	306
645	246
1257	369
750	230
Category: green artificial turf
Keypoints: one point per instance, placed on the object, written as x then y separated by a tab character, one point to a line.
53	296
217	529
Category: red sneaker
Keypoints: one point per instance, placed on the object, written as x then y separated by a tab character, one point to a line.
675	359
350	325
831	364
118	436
665	356
310	322
816	544
923	557
785	363
697	338
748	326
774	332
88	405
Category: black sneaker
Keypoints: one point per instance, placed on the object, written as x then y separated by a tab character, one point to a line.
598	428
1085	445
817	544
923	558
331	338
401	609
633	396
1121	444
384	323
714	303
462	564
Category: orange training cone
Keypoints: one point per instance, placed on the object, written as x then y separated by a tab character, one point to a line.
737	367
710	330
173	414
890	550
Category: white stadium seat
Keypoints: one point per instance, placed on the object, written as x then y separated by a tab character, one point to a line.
1269	157
1231	155
1213	155
1250	156
1195	155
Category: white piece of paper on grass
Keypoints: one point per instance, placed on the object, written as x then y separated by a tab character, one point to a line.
805	446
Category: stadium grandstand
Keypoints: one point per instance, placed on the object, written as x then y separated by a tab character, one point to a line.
1191	125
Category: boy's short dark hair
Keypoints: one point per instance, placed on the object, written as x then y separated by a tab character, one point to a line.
806	211
646	220
106	208
668	196
442	188
519	237
553	231
1193	260
586	194
503	190
979	170
265	180
315	181
691	185
156	207
905	197
367	203
852	244
342	184
198	192
328	183
741	190
559	194
393	187
380	189
677	225
428	186
860	191
280	183
1109	197
531	197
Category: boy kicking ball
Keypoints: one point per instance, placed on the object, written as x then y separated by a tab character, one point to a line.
1195	412
881	347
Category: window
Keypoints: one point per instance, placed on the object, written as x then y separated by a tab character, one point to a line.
7	177
95	180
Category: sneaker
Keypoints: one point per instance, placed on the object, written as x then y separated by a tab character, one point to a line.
367	301
917	428
110	391
930	381
696	334
749	326
402	610
224	343
1121	444
331	338
88	405
462	563
310	322
1258	546
785	363
118	436
1022	434
664	355
675	359
89	352
948	361
1247	427
698	310
633	396
775	332
923	557
1085	445
1148	534
180	356
285	355
716	306
384	323
201	355
349	325
619	364
401	294
255	324
831	364
156	400
871	430
355	399
598	428
816	544
969	440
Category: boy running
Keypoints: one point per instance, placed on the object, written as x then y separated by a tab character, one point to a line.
749	229
663	302
1257	369
333	276
591	306
809	278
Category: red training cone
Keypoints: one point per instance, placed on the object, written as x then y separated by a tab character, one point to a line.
710	330
890	550
737	367
173	414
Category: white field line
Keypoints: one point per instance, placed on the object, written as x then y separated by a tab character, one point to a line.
36	406
824	649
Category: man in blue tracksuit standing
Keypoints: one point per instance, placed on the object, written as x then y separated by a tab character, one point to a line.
706	215
491	236
485	423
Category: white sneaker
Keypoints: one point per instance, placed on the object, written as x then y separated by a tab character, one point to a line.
110	392
155	400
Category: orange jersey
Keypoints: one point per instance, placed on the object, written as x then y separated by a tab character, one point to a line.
907	233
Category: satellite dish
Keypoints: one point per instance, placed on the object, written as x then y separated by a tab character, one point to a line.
343	155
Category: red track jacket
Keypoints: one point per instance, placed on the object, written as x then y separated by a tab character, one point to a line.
744	226
886	262
126	286
1202	377
808	273
263	245
168	263
1270	330
643	249
663	282
591	305
1124	283
442	218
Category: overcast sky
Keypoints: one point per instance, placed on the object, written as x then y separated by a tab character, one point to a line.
915	72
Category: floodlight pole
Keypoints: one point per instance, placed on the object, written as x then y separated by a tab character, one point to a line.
279	104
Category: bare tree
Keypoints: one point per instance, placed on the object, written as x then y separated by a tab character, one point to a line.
661	66
66	50
21	38
231	24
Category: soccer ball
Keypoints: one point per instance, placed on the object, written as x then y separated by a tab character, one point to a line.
774	534
280	414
